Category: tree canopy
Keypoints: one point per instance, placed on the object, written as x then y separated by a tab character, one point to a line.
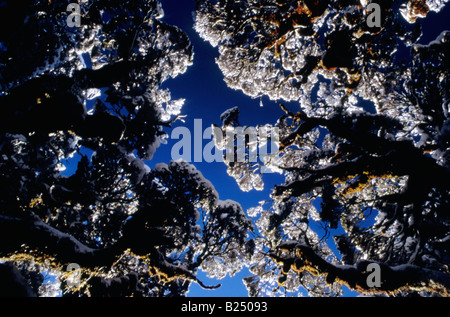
363	147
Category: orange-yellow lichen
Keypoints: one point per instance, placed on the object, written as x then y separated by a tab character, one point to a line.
361	183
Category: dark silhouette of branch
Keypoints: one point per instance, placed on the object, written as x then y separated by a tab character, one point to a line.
382	156
13	283
393	278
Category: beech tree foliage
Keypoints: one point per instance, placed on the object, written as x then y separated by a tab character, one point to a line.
364	153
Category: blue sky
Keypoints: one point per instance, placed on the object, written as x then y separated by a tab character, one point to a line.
207	97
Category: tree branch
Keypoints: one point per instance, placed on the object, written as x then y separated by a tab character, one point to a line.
65	249
40	237
320	176
381	156
393	278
